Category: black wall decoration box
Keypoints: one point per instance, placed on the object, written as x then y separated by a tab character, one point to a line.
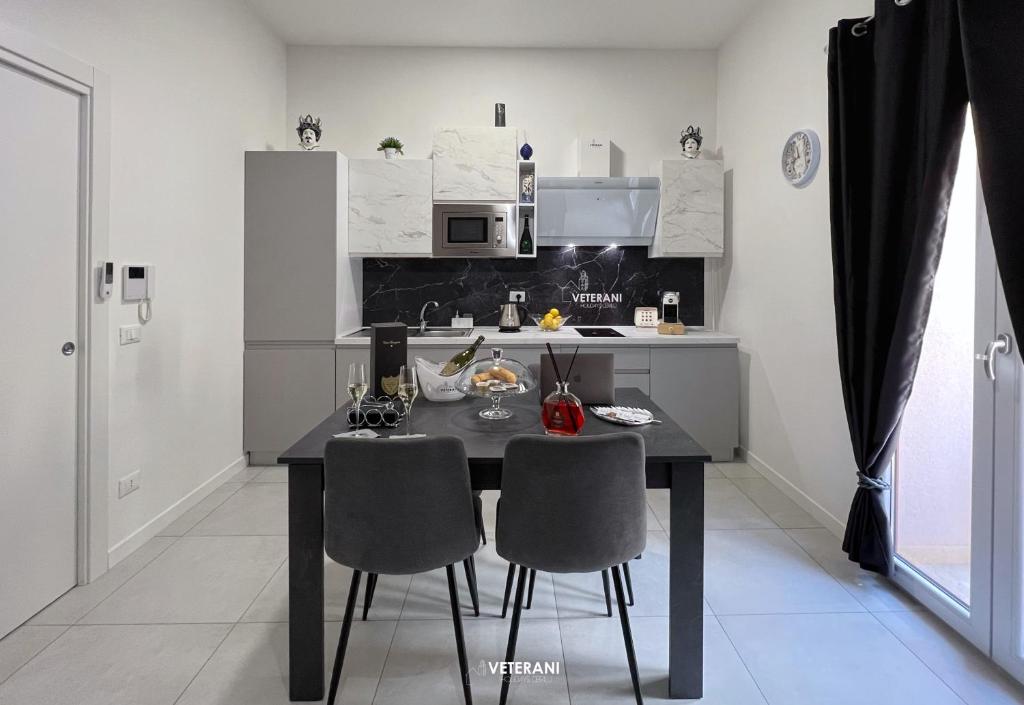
388	343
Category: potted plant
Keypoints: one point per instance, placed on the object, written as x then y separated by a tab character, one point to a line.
390	146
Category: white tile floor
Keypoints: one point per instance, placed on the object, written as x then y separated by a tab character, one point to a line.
198	615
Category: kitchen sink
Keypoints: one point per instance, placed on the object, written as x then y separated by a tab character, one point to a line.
430	332
440	333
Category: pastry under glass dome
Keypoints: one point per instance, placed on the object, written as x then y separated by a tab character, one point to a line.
496	378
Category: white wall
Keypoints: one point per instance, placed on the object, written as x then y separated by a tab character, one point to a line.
194	84
641	98
777	276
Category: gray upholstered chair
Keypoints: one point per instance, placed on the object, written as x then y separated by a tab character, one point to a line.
572	505
398	507
533	576
544	374
469	565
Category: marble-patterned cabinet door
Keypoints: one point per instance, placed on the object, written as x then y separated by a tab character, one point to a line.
475	164
390	207
691	218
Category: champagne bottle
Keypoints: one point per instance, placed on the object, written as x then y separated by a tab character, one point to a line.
526	240
459	361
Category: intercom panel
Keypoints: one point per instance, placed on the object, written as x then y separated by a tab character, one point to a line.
105	280
137	282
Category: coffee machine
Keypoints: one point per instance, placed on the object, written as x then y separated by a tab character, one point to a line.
670	307
670	322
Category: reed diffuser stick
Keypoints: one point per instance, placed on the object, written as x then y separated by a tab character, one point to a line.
572	362
554	362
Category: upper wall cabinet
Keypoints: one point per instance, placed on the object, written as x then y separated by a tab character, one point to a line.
475	164
390	207
691	219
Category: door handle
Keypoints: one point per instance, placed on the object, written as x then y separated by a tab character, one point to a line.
1002	345
68	348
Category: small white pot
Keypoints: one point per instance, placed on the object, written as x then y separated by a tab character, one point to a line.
390	153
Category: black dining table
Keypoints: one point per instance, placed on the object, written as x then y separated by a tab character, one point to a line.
674	461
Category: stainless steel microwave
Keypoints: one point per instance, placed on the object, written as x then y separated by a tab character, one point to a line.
474	230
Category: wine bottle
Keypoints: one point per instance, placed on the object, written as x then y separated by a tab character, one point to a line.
459	361
526	240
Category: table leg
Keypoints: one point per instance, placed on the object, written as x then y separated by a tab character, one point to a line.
305	582
686	582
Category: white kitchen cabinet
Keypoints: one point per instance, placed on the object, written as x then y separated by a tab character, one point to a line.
475	164
295	233
288	391
691	218
390	207
699	387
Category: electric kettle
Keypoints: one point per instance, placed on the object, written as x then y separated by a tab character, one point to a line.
508	318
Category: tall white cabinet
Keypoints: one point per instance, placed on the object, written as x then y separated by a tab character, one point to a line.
301	288
390	207
691	219
476	164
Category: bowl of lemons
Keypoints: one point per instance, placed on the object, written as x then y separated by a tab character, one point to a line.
550	321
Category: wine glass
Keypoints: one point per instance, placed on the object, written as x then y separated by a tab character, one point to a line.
357	386
408	388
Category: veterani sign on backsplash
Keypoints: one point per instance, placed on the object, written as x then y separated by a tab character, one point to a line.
596	286
579	293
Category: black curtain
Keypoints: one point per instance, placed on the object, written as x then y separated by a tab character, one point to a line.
898	91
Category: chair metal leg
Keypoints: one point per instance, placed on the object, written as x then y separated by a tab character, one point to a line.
627	635
529	597
371	587
508	589
346	628
479	516
607	592
629	582
476	583
471	582
460	641
513	632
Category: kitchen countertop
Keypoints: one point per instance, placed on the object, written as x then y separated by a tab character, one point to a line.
532	335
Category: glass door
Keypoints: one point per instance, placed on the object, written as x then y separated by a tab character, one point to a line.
943	468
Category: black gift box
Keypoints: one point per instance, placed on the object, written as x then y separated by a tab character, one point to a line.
388	343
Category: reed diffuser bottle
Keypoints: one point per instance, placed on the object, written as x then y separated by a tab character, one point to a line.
561	413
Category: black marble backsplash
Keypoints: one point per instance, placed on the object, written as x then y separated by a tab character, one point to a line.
595	286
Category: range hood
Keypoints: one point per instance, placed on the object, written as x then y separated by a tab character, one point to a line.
597	211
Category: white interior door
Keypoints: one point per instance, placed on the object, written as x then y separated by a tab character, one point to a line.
39	237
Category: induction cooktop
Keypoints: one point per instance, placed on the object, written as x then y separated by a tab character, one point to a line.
599	333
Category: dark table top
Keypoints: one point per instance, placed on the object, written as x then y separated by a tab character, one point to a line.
485	439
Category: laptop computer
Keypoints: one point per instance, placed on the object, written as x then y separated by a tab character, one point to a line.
592	378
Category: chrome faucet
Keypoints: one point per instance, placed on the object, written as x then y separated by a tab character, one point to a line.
423	315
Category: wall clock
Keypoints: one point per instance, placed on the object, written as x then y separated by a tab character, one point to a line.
801	157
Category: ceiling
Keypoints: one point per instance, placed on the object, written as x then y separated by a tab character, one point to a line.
576	24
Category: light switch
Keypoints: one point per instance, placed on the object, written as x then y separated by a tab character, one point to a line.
130	334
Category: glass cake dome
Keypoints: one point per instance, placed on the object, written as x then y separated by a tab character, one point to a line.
495	378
